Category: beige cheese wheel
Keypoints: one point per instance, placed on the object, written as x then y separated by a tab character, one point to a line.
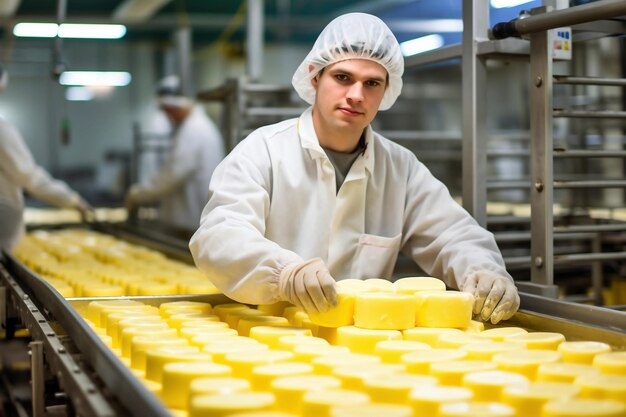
411	285
177	377
582	351
427	401
319	403
242	363
395	387
489	385
611	363
222	405
529	399
262	376
391	351
364	340
352	376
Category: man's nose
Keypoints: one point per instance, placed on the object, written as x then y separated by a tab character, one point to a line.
355	92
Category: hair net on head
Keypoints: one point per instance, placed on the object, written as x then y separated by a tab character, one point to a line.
170	92
350	36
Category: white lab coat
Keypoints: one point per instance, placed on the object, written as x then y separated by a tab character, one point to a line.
18	172
273	201
182	184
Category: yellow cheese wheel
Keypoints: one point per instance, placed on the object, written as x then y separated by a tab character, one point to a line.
391	351
428	335
219	351
157	358
157	288
602	386
271	335
198	287
377	285
411	285
94	308
475	326
227	335
106	339
290	390
306	353
611	363
112	321
564	372
218	385
486	351
371	410
262	376
574	407
319	403
384	311
327	333
289	342
476	409
190	333
243	362
176	320
364	340
177	377
443	309
529	399
152	386
427	401
498	334
326	364
140	344
525	362
352	376
221	405
395	388
166	309
275	309
222	310
582	351
538	340
419	362
246	323
452	373
290	312
340	315
489	385
232	317
103	290
129	333
458	340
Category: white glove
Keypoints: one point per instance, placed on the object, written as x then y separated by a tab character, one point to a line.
84	208
495	296
308	285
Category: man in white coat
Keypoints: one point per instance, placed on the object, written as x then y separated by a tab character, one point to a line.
181	186
302	203
19	172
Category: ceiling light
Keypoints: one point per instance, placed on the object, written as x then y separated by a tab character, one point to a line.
419	45
95	78
428	25
36	30
500	4
79	94
85	31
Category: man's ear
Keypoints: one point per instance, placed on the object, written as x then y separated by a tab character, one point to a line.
314	79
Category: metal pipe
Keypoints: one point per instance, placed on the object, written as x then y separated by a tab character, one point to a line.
564	79
566	17
591	228
254	40
575	258
589	114
560	184
525	236
580	153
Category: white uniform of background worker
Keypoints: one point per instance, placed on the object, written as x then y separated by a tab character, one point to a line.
276	226
19	172
181	186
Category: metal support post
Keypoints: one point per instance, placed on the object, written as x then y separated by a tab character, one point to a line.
37	378
476	27
541	245
254	40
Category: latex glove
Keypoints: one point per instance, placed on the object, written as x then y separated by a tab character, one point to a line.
308	285
87	213
495	296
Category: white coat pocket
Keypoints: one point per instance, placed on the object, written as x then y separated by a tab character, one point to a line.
375	256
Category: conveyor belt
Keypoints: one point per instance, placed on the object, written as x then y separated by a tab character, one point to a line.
105	387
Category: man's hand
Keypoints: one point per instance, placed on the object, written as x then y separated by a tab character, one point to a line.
87	213
308	285
131	202
495	296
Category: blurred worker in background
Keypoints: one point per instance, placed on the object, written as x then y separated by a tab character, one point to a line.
302	203
181	186
19	172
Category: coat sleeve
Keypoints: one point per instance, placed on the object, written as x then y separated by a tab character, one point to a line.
18	164
441	237
230	246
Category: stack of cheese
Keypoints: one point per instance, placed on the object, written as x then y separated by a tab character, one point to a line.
275	360
82	263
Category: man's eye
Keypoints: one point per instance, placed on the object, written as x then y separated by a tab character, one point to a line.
341	77
373	83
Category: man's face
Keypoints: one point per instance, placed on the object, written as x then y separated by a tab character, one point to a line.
348	94
176	114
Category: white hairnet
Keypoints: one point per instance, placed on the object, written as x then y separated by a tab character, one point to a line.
170	92
350	36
